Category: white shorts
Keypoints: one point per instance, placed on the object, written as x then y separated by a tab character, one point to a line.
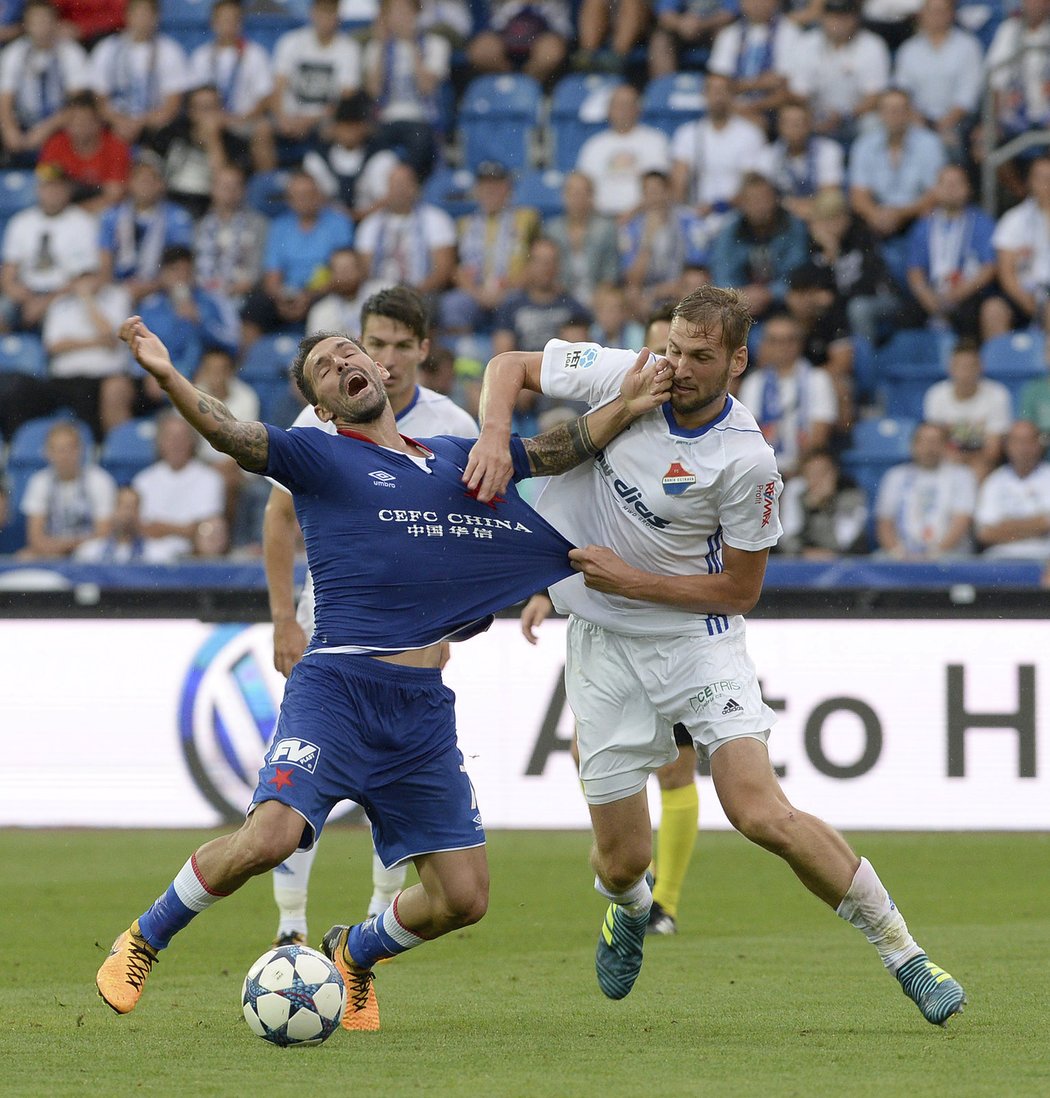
628	693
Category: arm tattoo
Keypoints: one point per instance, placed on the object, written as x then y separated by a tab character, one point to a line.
560	449
247	443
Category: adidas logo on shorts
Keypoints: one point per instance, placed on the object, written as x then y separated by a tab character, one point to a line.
732	706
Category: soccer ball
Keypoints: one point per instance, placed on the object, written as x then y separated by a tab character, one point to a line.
293	995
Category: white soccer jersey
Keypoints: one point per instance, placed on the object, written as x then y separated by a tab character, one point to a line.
427	415
662	497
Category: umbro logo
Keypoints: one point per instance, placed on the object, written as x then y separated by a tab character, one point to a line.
383	479
732	706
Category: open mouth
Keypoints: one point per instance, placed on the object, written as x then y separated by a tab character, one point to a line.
356	383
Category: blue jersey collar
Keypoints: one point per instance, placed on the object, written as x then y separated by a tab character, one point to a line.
696	432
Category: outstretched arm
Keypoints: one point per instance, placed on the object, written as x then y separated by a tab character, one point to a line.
247	443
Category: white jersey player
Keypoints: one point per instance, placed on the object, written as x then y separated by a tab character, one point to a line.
675	518
393	331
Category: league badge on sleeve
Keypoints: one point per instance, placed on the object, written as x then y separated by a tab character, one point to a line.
677	479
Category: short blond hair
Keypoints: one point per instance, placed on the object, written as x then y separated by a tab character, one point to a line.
709	308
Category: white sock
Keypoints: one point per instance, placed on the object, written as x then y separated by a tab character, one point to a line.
291	880
386	884
868	906
636	900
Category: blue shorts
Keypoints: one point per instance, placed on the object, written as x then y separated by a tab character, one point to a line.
355	728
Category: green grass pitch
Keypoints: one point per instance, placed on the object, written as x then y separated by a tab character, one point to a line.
764	992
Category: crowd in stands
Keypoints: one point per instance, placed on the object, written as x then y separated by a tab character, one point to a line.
245	180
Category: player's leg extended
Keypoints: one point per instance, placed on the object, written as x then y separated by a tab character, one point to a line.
822	859
218	868
676	839
622	850
291	883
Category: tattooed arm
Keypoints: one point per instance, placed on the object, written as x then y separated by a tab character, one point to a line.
564	447
247	443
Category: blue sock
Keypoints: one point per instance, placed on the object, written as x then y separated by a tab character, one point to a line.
381	936
187	896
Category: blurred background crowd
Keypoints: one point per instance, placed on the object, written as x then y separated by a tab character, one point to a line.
875	176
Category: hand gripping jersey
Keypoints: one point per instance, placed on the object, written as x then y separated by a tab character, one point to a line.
401	555
662	497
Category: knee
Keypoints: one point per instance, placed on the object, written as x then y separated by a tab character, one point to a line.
767	825
468	905
264	846
622	868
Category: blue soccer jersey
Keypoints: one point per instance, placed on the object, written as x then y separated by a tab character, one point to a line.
401	555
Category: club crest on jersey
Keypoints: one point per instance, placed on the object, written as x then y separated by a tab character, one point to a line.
765	496
581	358
677	479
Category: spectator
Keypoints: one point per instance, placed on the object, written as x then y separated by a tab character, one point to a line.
295	265
925	507
196	146
67	502
187	318
846	246
657	244
531	36
340	309
758	246
608	32
179	492
44	247
314	67
126	543
140	75
616	158
793	402
493	245
93	157
39	71
1022	247
452	19
975	411
1016	69
230	240
823	512
940	67
613	326
683	25
1013	504
711	156
529	315
408	242
800	163
951	262
404	69
87	21
350	164
589	254
241	72
841	69
133	235
88	364
893	169
1034	404
754	52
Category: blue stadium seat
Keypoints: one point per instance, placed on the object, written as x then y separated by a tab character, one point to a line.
498	116
670	101
184	13
23	354
542	191
268	358
189	37
271	392
129	448
579	108
1016	355
266	29
17	192
452	190
914	348
265	192
878	445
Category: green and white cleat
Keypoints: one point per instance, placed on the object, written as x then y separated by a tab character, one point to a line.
935	992
618	960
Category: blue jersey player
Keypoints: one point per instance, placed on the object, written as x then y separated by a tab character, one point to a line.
404	558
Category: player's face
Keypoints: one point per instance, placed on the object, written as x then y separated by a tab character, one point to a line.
401	353
348	384
703	369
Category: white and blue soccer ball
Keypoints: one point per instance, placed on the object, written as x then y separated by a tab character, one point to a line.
293	995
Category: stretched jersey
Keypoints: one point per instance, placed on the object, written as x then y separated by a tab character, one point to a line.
662	497
401	555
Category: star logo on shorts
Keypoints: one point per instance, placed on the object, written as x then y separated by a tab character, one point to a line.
280	778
